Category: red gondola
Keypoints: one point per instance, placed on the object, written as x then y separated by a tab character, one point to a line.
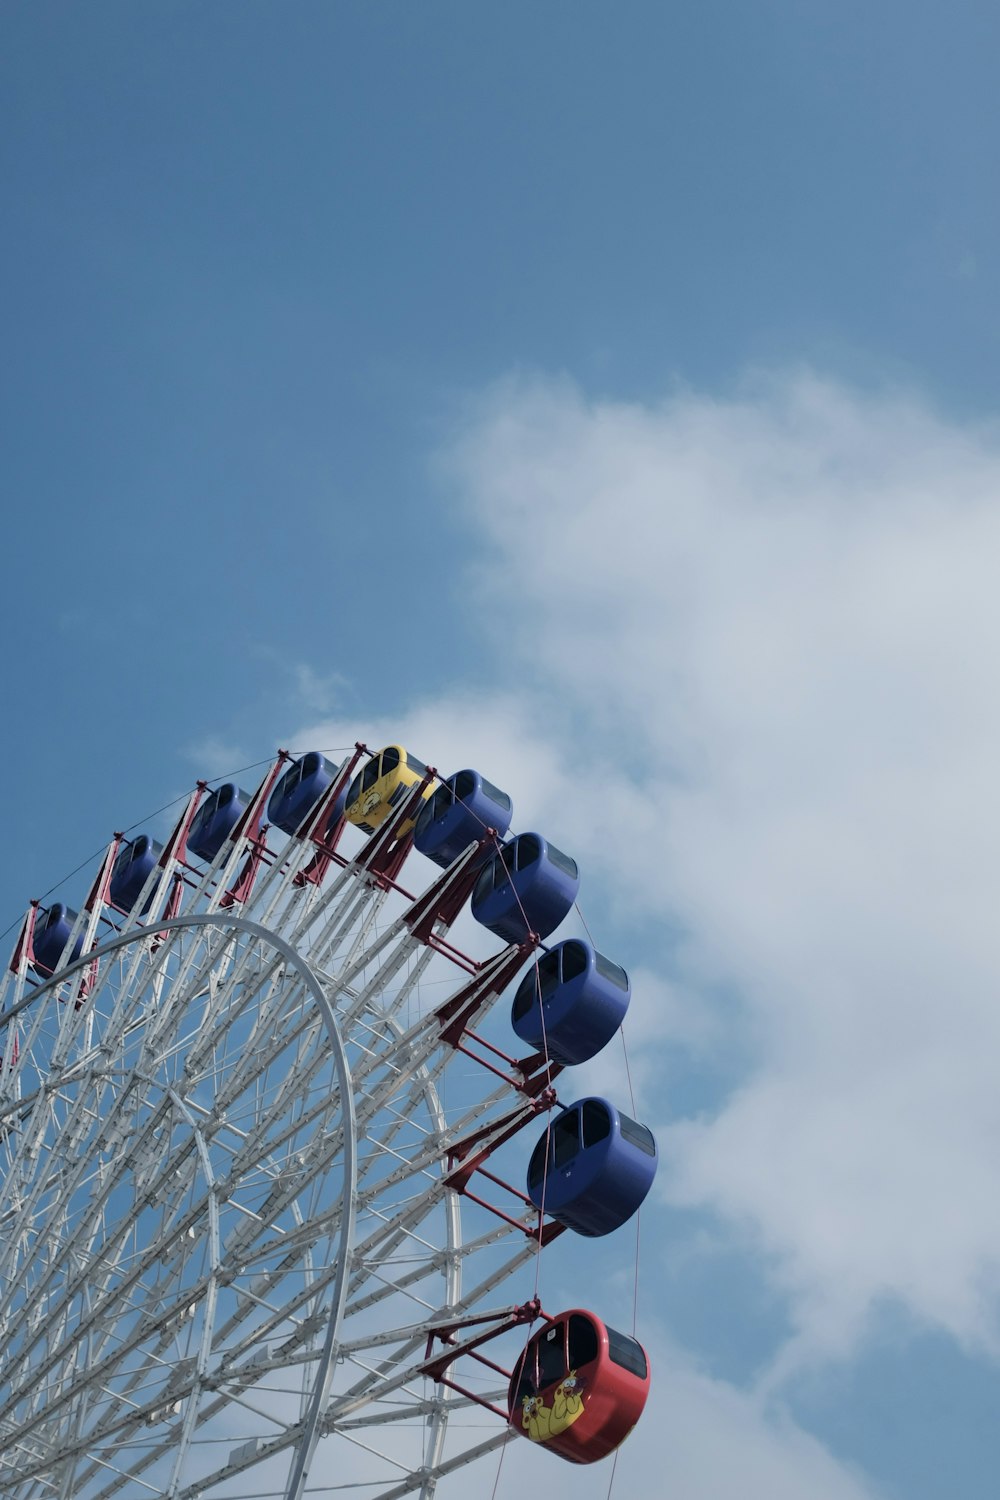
579	1387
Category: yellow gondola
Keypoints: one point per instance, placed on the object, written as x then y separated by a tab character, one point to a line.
381	786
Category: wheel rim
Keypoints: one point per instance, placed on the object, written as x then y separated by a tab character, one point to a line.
180	1135
240	1364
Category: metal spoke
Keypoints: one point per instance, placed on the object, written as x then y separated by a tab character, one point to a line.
225	1222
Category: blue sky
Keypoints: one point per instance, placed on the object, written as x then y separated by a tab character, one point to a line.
607	392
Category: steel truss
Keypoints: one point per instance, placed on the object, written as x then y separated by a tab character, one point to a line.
234	1143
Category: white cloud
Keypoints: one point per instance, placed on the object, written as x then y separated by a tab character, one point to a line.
215	756
777	617
318	691
710	1440
700	1439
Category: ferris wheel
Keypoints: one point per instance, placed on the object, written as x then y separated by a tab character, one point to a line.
263	1141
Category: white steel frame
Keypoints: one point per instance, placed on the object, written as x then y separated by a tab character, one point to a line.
225	1229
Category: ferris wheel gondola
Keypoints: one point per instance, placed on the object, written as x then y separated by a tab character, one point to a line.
246	1111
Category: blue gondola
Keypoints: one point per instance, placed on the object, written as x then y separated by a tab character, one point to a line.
571	1003
528	886
51	935
458	814
593	1167
134	863
298	791
215	820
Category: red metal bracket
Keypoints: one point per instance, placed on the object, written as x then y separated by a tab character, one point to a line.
438	1366
98	895
243	885
443	900
326	838
250	826
455	1015
384	854
465	1160
23	949
176	845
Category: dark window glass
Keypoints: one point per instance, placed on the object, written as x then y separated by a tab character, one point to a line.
611	971
627	1352
415	764
290	780
566	1131
438	804
123	858
141	846
552	1356
563	862
435	807
548	974
390	759
503	865
370	775
524	997
310	763
484	884
574	959
525	1383
596	1122
528	848
540	982
637	1134
536	1166
225	794
465	785
496	795
583	1344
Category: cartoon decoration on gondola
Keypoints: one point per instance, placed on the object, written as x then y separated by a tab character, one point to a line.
542	1422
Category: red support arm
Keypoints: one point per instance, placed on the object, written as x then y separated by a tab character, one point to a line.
23	949
251	827
326	836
